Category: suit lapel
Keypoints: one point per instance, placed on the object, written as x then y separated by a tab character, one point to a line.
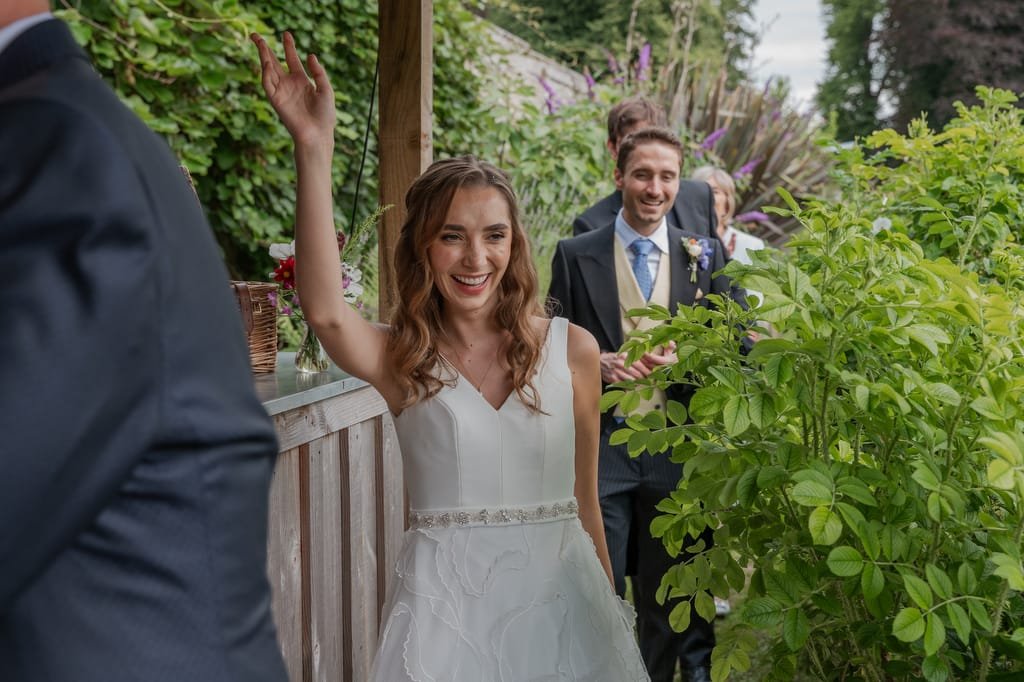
597	269
682	290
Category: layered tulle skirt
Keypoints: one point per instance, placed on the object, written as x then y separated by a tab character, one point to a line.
509	603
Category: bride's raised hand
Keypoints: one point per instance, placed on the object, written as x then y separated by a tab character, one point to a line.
305	107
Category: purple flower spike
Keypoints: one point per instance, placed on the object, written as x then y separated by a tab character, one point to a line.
286	310
753	217
552	102
272	298
590	82
613	65
644	62
714	137
746	169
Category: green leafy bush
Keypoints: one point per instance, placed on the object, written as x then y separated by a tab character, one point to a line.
866	458
188	69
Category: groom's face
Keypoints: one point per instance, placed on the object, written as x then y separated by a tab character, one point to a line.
649	181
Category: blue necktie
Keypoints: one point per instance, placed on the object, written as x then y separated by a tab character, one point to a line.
640	248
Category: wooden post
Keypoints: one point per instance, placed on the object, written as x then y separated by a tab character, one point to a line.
405	147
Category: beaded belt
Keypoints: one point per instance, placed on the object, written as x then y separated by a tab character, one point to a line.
500	516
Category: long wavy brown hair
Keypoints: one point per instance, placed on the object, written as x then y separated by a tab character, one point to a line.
417	320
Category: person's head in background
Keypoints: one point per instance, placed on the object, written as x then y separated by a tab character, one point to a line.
647	174
724	189
630	115
12	10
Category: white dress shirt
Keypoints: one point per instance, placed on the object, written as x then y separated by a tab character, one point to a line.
627	235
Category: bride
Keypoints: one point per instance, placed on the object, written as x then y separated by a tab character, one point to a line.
504	572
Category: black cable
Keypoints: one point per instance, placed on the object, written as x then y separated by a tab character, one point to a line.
366	140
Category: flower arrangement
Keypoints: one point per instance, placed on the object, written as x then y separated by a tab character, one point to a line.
700	252
287	299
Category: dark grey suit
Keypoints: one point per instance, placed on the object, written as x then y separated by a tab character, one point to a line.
693	211
136	457
584	289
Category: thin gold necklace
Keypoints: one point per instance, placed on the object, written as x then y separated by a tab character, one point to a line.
465	368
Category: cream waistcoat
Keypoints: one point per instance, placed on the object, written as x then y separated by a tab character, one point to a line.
631	298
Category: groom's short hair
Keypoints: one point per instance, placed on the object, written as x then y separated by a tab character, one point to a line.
646	136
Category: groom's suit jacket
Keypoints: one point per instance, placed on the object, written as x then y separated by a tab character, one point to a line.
693	210
135	457
584	290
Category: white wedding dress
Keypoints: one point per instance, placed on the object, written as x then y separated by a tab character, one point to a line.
497	580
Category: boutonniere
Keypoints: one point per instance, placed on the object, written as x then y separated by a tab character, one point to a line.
699	252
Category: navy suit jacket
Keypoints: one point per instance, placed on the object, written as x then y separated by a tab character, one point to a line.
693	210
136	458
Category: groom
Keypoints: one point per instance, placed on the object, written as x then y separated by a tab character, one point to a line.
135	456
596	277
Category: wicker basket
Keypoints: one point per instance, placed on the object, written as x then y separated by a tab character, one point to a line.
260	319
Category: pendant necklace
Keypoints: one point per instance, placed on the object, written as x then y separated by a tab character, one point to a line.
458	356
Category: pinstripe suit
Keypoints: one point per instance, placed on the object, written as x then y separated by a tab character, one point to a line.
584	289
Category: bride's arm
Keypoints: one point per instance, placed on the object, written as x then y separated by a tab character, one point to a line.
307	110
585	365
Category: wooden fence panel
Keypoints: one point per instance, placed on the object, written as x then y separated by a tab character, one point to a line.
284	559
337	515
326	552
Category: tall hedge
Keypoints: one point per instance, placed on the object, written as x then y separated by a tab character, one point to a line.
188	68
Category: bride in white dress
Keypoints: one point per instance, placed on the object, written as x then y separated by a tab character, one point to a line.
504	573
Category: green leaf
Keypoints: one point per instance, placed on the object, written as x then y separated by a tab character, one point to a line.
704	604
966	578
862	395
735	416
908	626
676	412
928	336
979	614
944	393
795	629
1004	445
934	634
679	617
935	669
620	436
762	612
811	494
918	590
939	581
925	477
856	489
872	581
708	401
746	487
988	407
771	476
778	370
845	561
1000	474
1009	568
960	621
761	409
825	526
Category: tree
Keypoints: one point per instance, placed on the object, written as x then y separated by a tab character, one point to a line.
918	57
941	49
602	34
852	82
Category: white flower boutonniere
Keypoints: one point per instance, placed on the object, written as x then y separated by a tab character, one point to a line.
699	251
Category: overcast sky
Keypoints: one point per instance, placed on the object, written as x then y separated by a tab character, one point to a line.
792	45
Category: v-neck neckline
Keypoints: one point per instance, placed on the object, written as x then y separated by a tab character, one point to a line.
460	377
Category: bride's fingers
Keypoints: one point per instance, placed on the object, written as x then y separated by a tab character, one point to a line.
291	57
316	70
270	68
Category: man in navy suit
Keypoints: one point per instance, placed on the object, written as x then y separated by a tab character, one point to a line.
136	456
694	207
638	258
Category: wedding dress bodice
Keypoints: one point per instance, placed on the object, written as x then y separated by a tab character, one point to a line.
461	453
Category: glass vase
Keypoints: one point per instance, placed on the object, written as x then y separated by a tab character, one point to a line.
311	357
